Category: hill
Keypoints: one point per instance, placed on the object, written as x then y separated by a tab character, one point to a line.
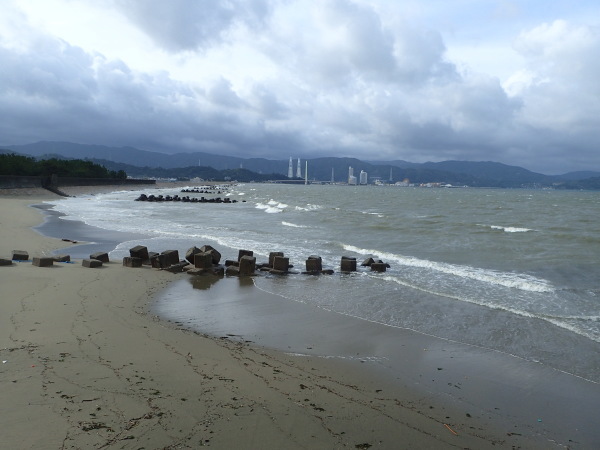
138	162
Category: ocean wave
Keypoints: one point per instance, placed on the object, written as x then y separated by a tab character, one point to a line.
293	225
277	204
372	213
271	209
556	320
517	281
508	229
308	207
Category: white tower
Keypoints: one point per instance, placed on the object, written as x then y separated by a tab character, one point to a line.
351	177
299	169
363	177
291	169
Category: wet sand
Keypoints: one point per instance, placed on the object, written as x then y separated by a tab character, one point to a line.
503	391
85	364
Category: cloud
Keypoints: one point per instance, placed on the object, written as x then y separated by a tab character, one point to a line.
335	77
189	25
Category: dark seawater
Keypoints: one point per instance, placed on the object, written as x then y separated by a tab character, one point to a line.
510	270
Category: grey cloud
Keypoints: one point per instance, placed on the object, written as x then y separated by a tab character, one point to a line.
387	93
267	103
189	25
221	93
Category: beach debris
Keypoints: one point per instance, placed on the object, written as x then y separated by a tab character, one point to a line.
69	240
91	263
5	262
348	264
363	446
20	255
43	261
132	261
100	256
451	430
90	426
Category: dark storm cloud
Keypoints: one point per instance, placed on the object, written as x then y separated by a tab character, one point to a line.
64	93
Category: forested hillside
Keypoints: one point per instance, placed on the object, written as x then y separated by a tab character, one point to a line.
11	164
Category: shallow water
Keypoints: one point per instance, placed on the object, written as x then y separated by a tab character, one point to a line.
510	270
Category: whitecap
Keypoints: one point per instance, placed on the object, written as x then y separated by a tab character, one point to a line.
293	225
518	281
510	229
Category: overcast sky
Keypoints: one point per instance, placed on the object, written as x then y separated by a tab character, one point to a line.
513	81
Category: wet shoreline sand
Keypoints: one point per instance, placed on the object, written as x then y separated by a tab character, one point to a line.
89	366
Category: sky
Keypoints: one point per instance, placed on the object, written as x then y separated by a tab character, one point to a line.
512	81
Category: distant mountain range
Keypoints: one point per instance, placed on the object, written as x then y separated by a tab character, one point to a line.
138	162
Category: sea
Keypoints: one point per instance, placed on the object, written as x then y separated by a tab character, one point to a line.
512	271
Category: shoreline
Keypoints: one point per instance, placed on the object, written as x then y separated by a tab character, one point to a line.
446	373
110	373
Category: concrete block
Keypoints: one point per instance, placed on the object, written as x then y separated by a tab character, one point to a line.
378	267
92	263
233	271
367	262
348	264
61	258
150	256
247	265
272	257
43	261
20	255
139	251
159	261
172	256
314	264
216	256
203	260
132	261
244	253
189	255
281	263
177	268
5	262
100	256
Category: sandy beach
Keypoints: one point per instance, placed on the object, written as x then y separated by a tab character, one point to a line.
85	364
